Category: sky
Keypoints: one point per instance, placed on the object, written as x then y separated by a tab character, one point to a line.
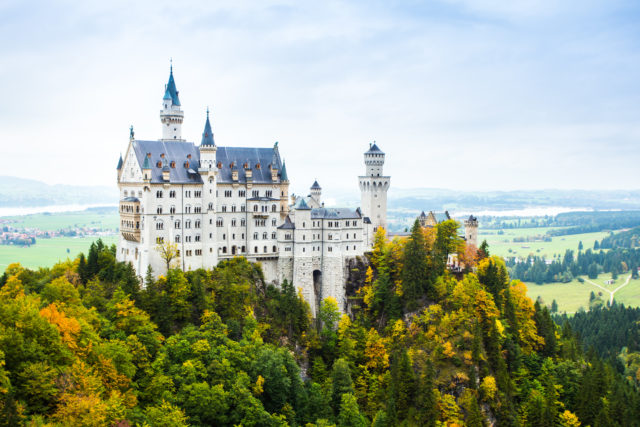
459	94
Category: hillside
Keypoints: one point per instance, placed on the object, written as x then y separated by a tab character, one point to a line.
20	192
83	344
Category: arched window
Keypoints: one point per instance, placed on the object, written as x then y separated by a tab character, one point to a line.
210	206
255	236
224	249
159	225
273	208
274	249
255	208
265	249
264	236
219	222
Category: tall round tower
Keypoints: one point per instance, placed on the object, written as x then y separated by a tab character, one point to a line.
171	115
373	188
471	230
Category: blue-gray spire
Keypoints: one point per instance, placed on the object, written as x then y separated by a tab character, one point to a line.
316	186
170	90
207	135
146	164
283	172
120	163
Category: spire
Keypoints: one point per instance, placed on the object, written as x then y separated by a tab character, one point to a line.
119	163
171	92
207	135
283	173
146	164
316	186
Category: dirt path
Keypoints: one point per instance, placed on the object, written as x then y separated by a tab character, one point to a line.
611	293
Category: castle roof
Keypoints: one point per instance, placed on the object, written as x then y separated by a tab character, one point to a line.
287	225
302	205
283	172
335	213
207	135
174	151
184	169
316	186
258	159
119	163
441	216
373	148
171	89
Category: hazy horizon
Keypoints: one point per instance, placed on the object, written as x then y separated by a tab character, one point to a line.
479	95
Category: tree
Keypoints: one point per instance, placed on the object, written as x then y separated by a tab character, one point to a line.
580	245
447	242
415	274
554	306
168	252
483	250
342	383
350	415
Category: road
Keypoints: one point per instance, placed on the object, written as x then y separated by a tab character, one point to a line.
611	293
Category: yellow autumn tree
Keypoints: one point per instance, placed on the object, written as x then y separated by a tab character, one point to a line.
375	352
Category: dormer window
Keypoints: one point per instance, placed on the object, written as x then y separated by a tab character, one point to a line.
257	165
173	164
159	164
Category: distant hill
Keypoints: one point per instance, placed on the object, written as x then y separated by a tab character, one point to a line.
429	198
21	192
473	201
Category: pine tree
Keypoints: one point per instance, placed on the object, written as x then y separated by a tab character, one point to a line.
415	274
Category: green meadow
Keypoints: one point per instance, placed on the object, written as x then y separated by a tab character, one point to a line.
574	295
504	246
106	219
47	252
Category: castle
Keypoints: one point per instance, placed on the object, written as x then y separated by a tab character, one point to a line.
215	202
205	203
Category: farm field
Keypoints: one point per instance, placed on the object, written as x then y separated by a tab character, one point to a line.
571	296
500	244
106	219
47	252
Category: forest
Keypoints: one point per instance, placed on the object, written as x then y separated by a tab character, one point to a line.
83	343
590	263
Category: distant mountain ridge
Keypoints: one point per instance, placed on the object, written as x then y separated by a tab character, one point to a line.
455	200
22	192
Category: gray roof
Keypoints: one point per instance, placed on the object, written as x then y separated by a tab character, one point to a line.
119	163
176	151
131	199
207	135
288	224
442	216
170	90
238	156
302	205
335	213
316	186
373	148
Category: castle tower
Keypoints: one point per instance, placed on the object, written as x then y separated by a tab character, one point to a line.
208	171
471	230
373	190
316	195
171	115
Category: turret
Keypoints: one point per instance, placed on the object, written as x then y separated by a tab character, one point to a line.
316	195
207	148
373	190
471	230
171	115
374	160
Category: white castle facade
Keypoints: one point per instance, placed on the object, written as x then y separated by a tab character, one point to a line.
214	202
